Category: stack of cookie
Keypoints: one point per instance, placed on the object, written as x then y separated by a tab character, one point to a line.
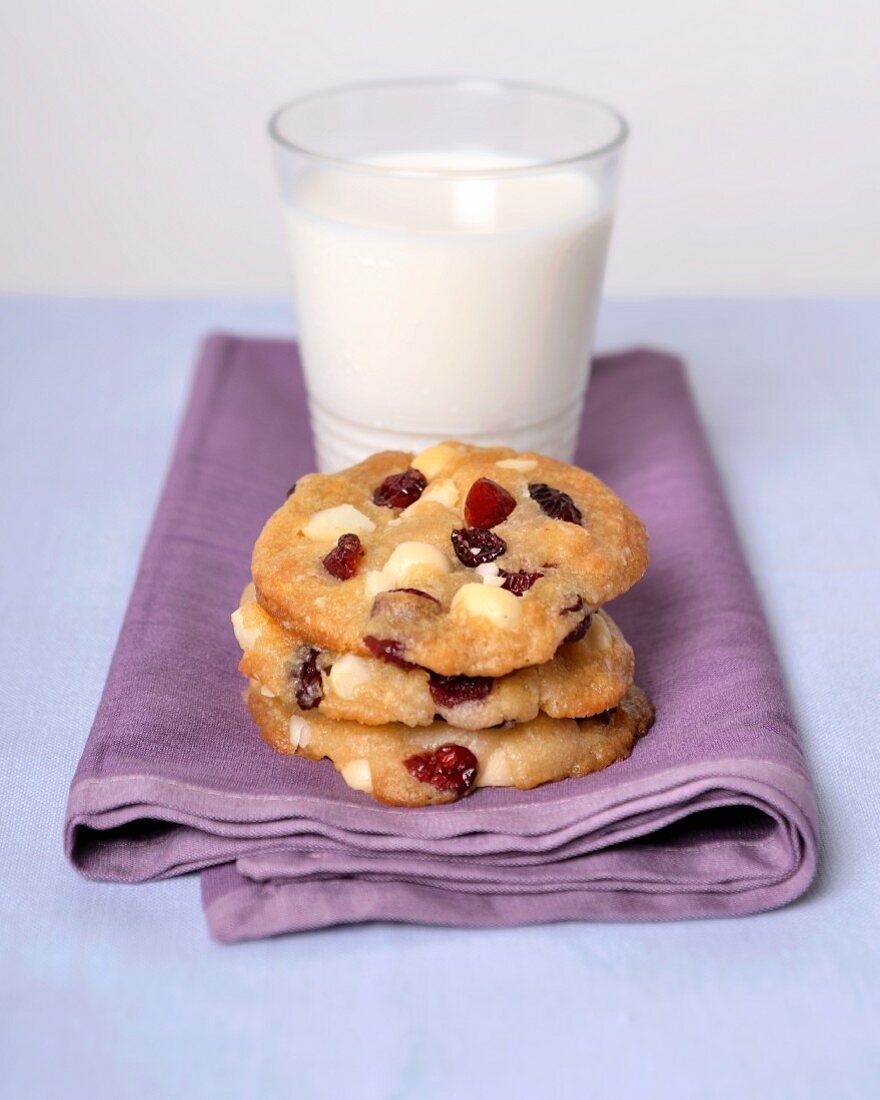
431	624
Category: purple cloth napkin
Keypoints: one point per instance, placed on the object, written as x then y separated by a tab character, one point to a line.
713	814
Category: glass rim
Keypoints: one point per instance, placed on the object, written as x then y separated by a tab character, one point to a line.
480	85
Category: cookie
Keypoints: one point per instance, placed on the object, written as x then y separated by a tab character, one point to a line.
584	678
462	560
441	763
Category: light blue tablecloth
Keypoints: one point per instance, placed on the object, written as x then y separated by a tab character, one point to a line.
112	991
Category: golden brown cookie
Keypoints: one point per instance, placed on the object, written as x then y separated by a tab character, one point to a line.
462	560
584	678
441	763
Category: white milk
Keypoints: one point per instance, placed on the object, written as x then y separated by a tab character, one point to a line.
437	308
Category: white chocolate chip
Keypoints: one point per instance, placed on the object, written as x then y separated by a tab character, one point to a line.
245	635
415	558
375	581
522	465
598	636
432	460
328	524
495	772
357	774
497	605
266	693
300	733
489	573
347	675
443	492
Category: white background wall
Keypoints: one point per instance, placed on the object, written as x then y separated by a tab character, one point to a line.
133	157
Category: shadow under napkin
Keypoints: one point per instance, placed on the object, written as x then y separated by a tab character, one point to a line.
712	815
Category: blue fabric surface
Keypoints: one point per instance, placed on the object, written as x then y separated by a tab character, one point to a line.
122	985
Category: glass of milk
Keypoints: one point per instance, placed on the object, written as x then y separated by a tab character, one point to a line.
447	241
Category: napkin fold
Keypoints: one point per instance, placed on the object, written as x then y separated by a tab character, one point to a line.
713	814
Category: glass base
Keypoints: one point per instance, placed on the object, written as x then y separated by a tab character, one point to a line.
340	442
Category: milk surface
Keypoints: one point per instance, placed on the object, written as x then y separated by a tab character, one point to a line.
446	306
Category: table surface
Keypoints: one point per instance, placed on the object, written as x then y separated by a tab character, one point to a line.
117	991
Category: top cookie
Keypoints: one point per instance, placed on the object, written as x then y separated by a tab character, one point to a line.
462	560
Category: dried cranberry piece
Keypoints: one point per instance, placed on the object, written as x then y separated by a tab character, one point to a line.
453	691
402	607
582	627
308	688
476	546
291	491
579	631
344	559
520	582
388	649
400	490
448	768
416	592
555	504
487	504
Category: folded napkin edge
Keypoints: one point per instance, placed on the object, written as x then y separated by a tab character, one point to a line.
245	910
98	805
